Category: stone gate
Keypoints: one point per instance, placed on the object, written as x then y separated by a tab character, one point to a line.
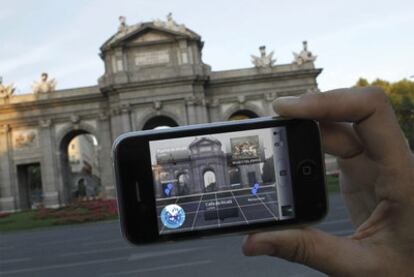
154	76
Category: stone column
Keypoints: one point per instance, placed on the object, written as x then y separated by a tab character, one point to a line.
269	97
116	124
120	120
105	150
7	197
214	110
191	111
126	118
49	165
202	111
244	181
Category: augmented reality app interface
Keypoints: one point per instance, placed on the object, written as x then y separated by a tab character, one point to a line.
219	180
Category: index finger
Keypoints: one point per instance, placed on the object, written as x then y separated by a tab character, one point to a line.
368	108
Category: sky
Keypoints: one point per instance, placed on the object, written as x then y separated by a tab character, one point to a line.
351	38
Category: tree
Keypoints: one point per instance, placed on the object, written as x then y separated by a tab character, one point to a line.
401	95
362	82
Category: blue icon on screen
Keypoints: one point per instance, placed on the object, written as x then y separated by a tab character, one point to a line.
172	216
255	188
168	189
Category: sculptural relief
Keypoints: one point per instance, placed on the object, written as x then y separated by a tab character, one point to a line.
6	90
264	61
25	139
123	27
44	85
170	24
304	56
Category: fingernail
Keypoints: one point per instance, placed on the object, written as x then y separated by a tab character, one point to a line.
283	102
287	100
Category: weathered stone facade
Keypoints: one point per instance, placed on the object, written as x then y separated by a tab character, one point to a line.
154	75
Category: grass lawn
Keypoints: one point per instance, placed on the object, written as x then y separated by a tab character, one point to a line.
332	183
82	212
23	221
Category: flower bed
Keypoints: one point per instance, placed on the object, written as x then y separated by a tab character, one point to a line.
79	212
4	214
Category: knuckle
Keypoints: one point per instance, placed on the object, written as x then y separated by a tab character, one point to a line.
302	250
319	101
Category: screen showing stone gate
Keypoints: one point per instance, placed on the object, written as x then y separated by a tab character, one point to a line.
225	179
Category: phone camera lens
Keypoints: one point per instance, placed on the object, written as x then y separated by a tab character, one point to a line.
307	170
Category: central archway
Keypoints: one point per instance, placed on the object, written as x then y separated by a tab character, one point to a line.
209	180
79	166
158	122
242	114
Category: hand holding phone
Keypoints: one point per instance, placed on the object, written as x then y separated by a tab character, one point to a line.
377	181
219	178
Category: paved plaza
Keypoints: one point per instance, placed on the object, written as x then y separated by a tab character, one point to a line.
99	250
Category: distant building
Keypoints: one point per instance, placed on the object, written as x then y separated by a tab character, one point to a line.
82	152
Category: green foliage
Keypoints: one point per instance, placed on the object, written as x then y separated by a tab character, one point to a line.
401	95
23	221
362	82
332	183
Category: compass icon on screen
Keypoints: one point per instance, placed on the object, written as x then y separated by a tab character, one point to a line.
173	216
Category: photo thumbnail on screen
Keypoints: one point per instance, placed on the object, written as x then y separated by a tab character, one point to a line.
225	179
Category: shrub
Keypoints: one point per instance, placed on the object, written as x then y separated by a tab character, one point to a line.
79	212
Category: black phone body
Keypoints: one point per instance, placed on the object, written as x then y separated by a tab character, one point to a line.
219	178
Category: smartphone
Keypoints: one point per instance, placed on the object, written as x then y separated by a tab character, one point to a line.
219	178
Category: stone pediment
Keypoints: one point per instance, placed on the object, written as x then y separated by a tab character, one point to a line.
152	36
203	141
147	32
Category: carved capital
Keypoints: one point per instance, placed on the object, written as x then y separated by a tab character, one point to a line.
125	108
214	103
45	123
190	101
115	111
4	129
194	101
103	115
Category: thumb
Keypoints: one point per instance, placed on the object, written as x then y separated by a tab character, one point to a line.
321	251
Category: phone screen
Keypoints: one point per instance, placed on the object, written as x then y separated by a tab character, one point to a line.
224	179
